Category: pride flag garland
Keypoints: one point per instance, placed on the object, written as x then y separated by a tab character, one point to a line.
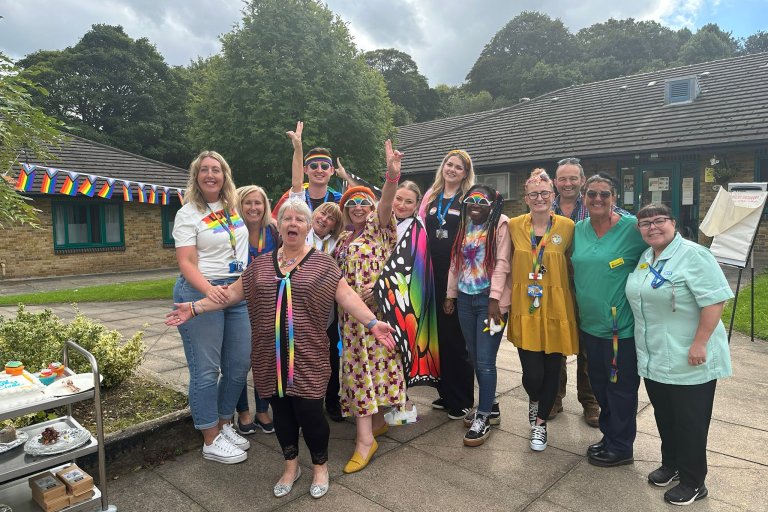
148	193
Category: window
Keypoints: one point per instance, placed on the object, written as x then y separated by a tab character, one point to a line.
497	181
681	90
87	225
168	217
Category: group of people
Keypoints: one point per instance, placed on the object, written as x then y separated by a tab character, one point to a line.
576	275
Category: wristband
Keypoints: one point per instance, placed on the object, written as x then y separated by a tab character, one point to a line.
192	307
370	324
395	180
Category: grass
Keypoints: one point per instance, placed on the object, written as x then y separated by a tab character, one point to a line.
743	308
137	290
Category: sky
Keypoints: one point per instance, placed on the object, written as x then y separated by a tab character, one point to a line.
444	37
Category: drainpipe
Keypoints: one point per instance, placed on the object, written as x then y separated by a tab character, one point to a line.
2	269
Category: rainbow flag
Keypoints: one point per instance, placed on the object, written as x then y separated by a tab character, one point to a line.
49	181
107	189
26	178
142	193
127	194
180	193
164	197
87	188
152	194
68	187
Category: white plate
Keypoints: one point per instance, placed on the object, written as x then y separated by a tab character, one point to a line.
21	438
84	381
69	439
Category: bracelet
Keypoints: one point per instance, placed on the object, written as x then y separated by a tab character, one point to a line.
370	324
389	179
192	307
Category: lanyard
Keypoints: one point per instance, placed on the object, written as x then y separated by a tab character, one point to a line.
309	200
442	211
285	290
614	364
658	279
229	227
262	240
539	248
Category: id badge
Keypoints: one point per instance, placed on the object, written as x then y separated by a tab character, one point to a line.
441	233
235	267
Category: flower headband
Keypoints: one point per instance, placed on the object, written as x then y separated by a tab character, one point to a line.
535	180
318	157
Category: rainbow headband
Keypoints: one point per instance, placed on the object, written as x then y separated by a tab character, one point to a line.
474	196
319	157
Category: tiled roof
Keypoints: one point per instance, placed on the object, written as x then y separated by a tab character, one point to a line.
87	157
623	115
413	133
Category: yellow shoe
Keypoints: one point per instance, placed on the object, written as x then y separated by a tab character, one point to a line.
381	431
357	462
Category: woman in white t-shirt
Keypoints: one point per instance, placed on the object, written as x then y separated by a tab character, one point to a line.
212	251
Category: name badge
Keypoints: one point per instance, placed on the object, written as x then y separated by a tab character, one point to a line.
643	265
535	277
616	263
441	233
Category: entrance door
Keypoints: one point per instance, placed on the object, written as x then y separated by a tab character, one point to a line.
665	184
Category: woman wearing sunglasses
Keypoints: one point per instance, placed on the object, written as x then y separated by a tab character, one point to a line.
541	323
478	279
371	373
677	294
606	248
441	211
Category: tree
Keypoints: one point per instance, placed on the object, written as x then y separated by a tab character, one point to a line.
528	38
22	126
116	90
290	60
407	88
457	100
709	43
756	43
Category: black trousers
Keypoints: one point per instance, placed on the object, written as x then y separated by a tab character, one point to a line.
457	376
290	414
618	400
334	384
683	414
541	378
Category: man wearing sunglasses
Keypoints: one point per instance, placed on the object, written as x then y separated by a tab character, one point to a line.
569	181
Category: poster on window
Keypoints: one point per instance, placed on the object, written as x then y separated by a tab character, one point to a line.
629	190
663	183
653	184
687	198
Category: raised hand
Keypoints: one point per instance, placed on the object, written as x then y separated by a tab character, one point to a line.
295	136
340	171
394	159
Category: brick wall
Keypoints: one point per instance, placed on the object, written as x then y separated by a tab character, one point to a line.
29	252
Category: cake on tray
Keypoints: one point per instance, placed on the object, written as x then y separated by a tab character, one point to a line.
20	390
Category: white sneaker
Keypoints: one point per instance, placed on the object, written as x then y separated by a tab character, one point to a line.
404	417
221	450
233	437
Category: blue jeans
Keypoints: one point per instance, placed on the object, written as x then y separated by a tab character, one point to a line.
482	347
242	403
217	346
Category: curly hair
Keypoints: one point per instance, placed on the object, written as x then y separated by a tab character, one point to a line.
457	253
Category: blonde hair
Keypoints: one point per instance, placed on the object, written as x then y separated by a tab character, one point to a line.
413	187
537	177
247	190
469	180
333	211
228	194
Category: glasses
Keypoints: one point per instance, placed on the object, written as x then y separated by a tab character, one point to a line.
323	165
481	200
358	201
604	194
544	194
658	222
568	161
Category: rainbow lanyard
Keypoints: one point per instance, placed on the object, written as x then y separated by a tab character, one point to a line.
285	290
309	200
229	227
539	248
262	240
614	365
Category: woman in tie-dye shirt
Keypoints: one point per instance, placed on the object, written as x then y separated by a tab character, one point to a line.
478	278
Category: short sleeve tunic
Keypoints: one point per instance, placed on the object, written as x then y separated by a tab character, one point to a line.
313	289
551	328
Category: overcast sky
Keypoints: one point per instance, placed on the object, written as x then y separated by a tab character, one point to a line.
444	37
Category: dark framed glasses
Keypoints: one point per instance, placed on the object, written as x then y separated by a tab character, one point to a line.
604	194
544	194
658	222
322	165
478	199
358	201
568	161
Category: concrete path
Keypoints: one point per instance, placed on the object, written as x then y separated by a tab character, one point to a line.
426	467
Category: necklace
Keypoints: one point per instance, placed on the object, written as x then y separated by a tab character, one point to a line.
285	263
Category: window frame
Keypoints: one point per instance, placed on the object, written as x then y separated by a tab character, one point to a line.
57	209
165	214
506	194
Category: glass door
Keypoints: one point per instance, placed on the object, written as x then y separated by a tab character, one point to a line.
666	184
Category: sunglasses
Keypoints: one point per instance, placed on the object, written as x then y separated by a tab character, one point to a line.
658	222
358	201
568	161
544	194
323	165
477	199
604	194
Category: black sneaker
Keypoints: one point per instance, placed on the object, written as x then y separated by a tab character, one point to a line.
663	476
478	432
539	437
438	404
684	495
458	414
493	419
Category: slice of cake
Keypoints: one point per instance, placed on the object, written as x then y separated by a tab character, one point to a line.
19	390
7	434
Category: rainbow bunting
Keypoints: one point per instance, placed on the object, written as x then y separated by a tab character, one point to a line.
142	193
180	193
87	188
49	181
152	194
106	190
26	178
164	197
127	194
68	188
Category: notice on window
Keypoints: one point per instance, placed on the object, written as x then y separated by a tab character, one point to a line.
664	183
653	184
629	190
656	196
709	175
687	191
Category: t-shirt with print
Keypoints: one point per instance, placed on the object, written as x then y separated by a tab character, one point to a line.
208	231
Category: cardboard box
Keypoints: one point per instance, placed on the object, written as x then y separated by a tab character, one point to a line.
52	505
76	480
77	498
46	486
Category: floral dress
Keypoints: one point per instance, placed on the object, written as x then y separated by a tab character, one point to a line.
371	374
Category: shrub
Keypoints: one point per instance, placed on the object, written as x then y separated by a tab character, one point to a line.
36	339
